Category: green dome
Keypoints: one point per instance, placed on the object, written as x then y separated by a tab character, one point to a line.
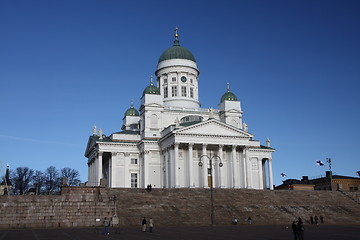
176	52
131	112
151	89
228	96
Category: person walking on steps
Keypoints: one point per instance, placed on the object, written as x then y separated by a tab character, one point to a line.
151	224
106	223
144	224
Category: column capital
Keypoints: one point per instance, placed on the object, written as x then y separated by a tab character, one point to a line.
191	144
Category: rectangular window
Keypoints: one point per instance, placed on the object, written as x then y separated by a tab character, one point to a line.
165	81
134	180
134	161
191	80
183	91
165	92
174	91
173	79
191	92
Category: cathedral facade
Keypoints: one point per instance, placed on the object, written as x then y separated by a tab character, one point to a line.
170	142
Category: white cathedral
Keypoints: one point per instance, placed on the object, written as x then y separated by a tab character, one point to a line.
170	142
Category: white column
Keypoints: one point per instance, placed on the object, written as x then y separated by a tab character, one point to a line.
114	157
263	174
146	168
248	170
170	161
205	161
166	163
234	168
127	176
191	170
100	175
271	175
176	165
260	170
221	170
243	173
93	172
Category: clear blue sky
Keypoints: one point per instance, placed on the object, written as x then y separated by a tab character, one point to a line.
294	65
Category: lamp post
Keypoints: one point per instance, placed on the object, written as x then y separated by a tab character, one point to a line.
211	158
328	160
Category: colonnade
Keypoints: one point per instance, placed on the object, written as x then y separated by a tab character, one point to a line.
241	168
236	172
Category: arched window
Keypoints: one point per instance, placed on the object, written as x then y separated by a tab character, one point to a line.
191	118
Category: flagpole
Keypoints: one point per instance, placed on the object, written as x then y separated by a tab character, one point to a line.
329	161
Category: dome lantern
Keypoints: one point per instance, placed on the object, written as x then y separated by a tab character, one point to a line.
228	96
176	51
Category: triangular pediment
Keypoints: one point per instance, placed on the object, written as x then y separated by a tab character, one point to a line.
215	128
90	145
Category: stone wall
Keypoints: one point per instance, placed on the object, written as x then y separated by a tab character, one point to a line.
86	206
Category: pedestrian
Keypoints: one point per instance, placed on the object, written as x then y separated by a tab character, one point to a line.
235	221
316	219
106	224
295	230
151	224
311	219
249	220
300	230
321	219
144	224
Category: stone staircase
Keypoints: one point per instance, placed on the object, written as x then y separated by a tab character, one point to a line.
87	206
192	206
352	195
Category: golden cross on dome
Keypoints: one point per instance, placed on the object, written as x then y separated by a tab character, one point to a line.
176	33
228	86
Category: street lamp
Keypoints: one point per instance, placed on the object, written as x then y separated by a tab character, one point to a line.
211	158
328	160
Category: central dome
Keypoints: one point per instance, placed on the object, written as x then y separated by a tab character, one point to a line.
176	52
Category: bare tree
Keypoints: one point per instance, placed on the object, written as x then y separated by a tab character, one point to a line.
21	178
72	175
38	182
52	180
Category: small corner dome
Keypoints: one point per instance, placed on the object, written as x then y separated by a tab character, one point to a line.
228	96
151	89
176	52
131	112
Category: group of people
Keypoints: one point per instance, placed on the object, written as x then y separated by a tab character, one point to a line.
144	224
235	220
315	220
148	188
298	229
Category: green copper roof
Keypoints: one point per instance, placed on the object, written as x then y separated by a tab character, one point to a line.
131	112
228	96
151	89
176	52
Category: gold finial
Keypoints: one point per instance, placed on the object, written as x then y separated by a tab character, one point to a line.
176	33
228	86
151	81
